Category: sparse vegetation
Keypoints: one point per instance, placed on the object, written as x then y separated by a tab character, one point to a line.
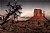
26	27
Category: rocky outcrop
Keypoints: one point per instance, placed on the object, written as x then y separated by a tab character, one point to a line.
38	15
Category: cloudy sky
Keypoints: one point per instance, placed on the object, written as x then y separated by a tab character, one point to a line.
28	6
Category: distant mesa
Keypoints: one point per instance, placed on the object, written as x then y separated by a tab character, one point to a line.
39	15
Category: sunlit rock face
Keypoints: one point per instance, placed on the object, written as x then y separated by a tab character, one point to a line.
39	15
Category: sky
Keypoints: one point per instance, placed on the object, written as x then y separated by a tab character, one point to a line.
28	7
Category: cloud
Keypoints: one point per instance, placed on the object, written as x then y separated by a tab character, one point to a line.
27	14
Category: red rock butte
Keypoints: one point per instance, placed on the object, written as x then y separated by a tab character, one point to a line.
39	15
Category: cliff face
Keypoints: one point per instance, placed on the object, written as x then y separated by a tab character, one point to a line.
38	15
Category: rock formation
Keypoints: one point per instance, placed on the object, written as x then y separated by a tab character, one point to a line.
38	15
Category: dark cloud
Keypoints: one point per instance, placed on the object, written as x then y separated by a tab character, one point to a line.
28	0
34	0
5	2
